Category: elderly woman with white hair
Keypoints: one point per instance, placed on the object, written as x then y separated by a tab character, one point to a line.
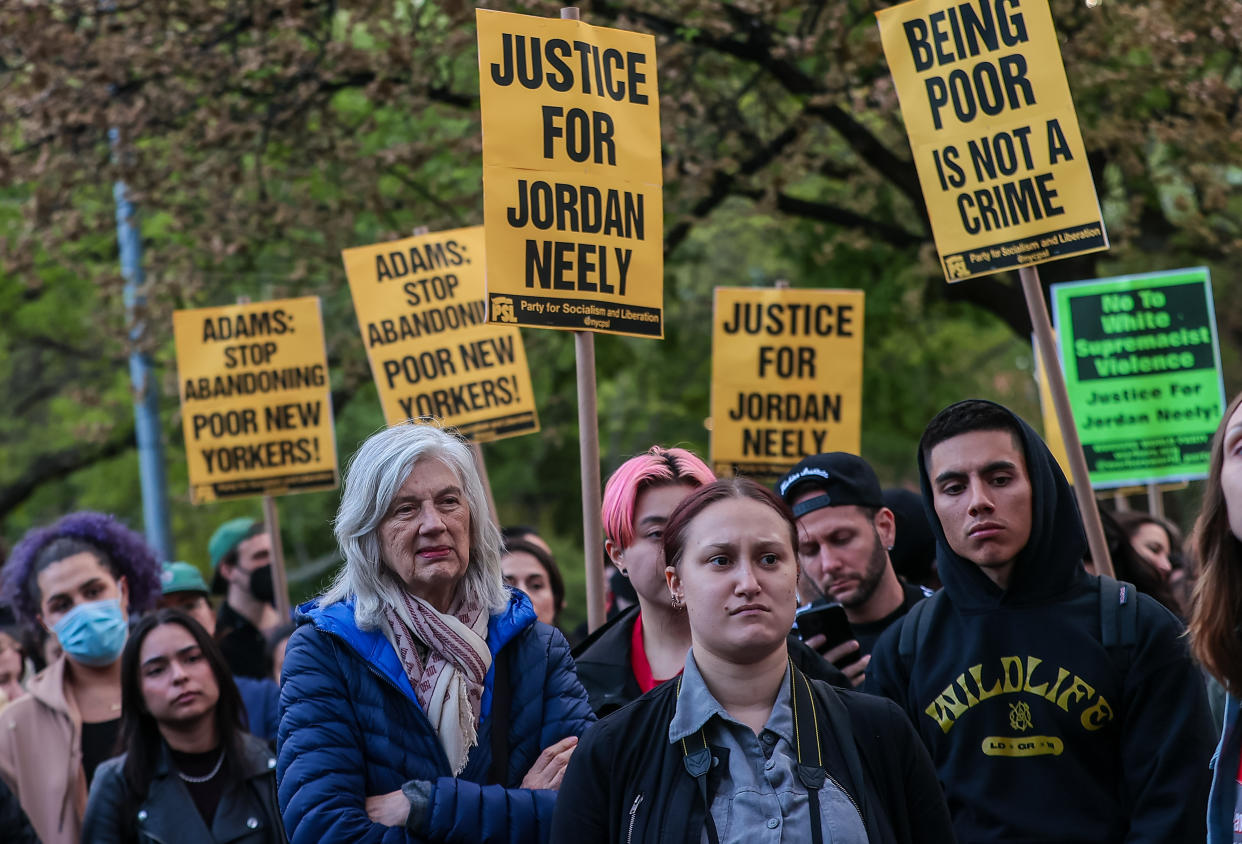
421	699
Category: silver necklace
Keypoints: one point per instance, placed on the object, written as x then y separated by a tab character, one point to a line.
206	777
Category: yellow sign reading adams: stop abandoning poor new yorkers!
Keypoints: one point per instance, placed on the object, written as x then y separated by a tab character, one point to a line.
786	376
420	305
993	131
256	404
572	175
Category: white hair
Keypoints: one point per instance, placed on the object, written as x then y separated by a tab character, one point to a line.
375	474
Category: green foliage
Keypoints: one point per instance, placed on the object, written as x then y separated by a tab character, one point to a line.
260	139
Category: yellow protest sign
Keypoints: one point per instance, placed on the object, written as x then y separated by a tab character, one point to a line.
993	131
572	175
421	307
256	405
786	376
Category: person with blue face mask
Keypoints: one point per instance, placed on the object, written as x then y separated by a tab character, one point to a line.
79	579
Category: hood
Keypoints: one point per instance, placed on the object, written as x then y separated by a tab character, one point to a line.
1050	563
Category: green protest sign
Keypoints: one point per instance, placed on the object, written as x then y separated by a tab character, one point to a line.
1142	364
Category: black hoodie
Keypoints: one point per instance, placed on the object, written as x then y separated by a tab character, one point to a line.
1038	732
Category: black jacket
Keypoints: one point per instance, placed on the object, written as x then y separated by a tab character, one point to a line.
13	821
248	812
626	782
603	663
1038	731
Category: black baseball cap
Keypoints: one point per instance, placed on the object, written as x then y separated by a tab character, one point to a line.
842	478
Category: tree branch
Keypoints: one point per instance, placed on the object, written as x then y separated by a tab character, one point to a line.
54	466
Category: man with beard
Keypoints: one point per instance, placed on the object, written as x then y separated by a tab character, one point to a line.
844	536
241	554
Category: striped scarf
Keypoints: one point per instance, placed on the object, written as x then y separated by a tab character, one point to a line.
448	680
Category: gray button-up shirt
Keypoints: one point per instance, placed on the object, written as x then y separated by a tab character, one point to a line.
760	799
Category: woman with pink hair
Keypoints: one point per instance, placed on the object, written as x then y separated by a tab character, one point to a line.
645	645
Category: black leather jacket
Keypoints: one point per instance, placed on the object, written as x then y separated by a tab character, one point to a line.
248	812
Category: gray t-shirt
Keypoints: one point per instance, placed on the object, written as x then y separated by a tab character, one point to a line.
760	799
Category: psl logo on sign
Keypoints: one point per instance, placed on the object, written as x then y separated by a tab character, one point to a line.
572	175
256	404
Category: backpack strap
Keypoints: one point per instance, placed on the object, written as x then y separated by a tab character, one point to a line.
914	629
502	694
1118	613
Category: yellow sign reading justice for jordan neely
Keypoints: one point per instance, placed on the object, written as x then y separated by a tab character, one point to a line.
993	131
786	376
256	404
421	307
572	175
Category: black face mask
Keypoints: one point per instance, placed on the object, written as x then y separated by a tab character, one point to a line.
261	585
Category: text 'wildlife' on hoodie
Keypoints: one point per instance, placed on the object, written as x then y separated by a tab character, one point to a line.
1039	733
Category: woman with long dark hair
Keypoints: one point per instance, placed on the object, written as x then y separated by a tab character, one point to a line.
189	771
1215	614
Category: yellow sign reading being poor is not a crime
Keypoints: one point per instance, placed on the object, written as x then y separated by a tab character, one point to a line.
572	175
256	404
992	127
421	307
786	376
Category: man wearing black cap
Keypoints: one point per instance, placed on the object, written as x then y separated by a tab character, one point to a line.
844	535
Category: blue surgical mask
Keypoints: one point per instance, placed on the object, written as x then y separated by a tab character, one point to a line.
93	634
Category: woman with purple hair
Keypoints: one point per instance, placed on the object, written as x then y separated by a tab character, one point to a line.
79	579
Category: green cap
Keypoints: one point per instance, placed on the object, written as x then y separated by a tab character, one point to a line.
226	538
181	577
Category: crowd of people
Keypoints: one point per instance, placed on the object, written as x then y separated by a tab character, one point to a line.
822	660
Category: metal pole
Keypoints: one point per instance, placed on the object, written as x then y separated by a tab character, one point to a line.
142	375
1038	309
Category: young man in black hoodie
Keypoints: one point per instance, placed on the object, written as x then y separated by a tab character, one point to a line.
1039	731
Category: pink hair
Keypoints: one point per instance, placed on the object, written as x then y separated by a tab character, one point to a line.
657	467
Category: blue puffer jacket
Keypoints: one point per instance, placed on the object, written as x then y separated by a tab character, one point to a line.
351	727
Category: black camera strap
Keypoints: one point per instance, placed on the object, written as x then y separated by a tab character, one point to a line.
811	770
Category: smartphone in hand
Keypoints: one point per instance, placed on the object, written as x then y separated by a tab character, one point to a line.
828	619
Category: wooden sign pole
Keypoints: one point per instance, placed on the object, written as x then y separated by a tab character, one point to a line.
1042	323
588	439
271	521
477	451
1155	500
